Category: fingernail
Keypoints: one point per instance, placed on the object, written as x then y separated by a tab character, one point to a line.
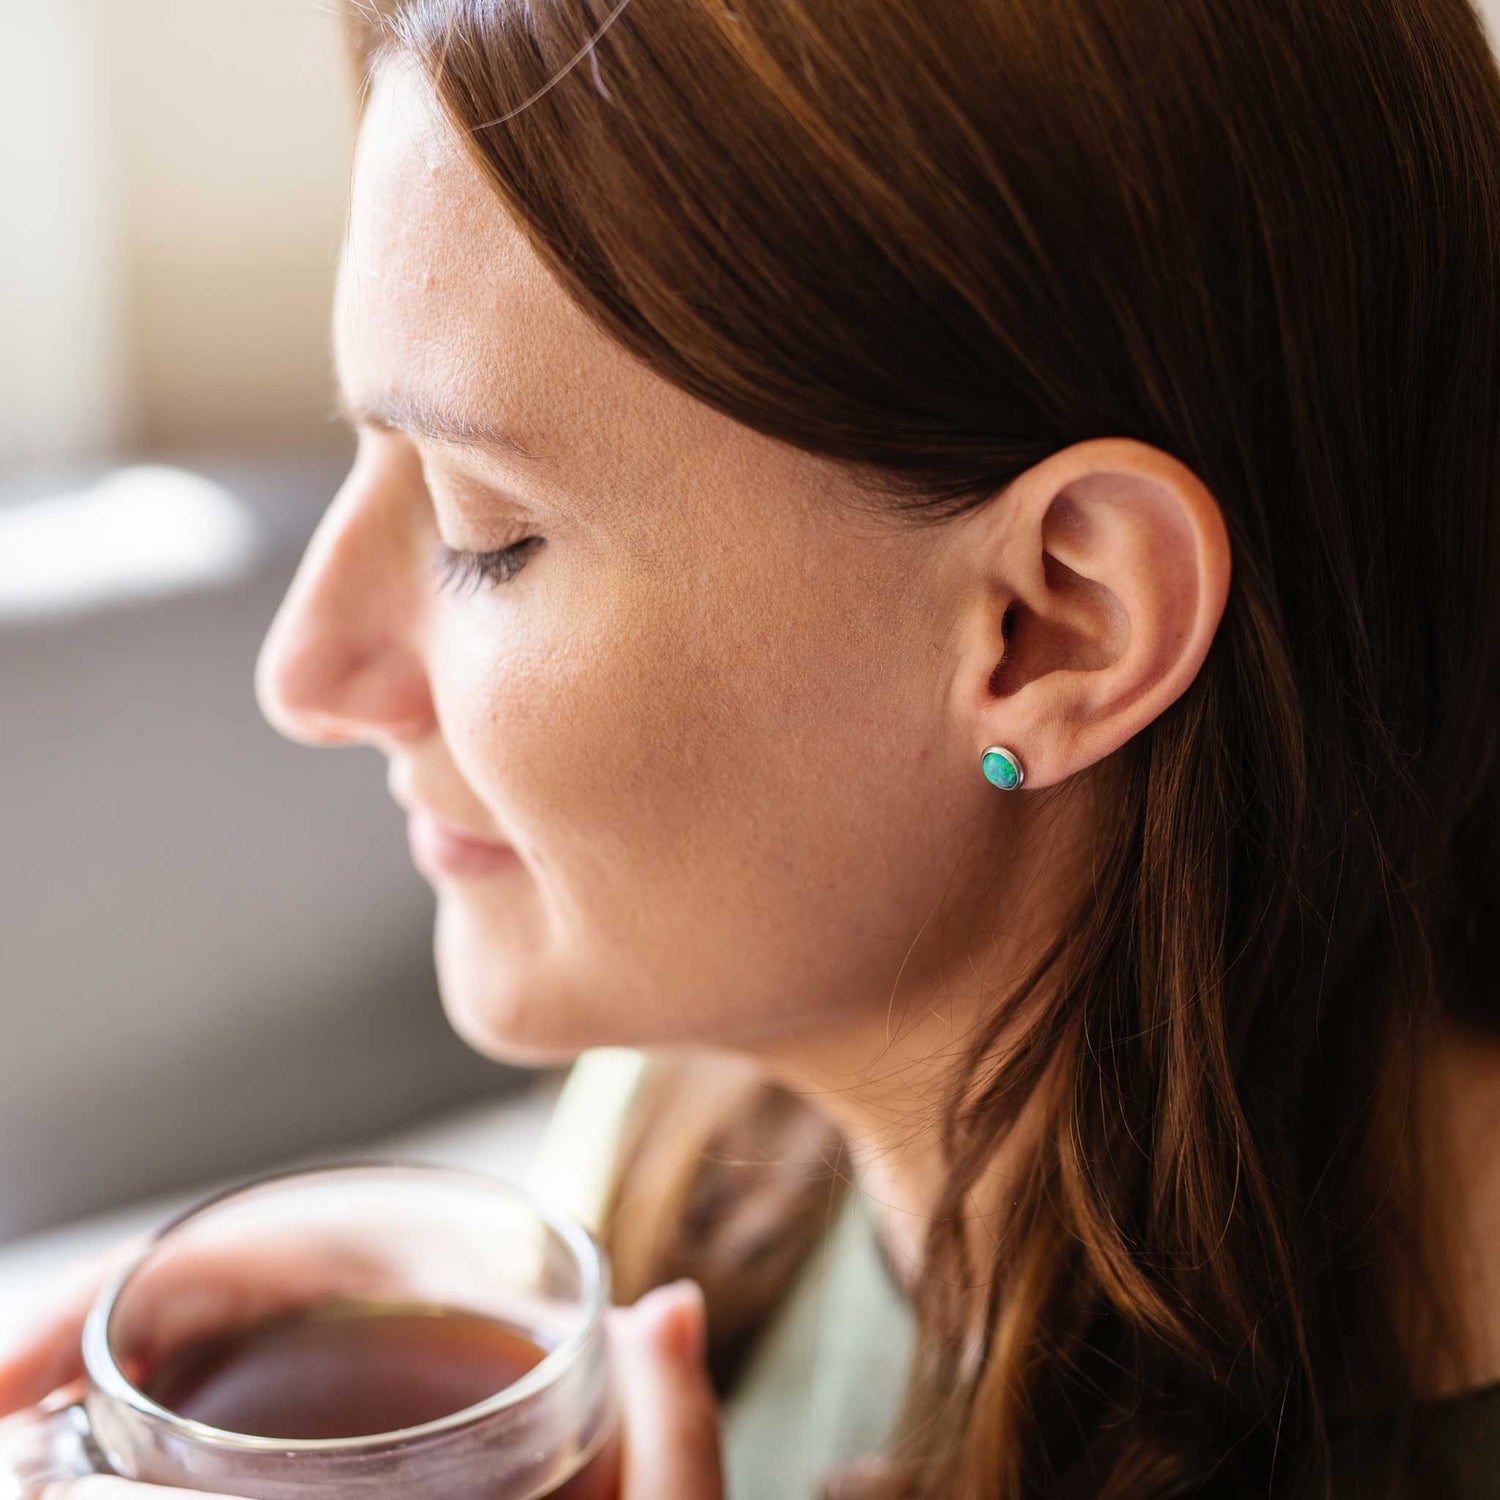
678	1319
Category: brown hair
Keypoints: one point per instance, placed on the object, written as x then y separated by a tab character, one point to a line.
940	240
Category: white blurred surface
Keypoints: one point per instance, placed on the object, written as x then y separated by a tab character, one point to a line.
140	532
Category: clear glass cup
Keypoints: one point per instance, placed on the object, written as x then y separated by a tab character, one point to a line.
401	1232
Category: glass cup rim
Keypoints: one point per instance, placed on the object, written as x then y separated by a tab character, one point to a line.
107	1376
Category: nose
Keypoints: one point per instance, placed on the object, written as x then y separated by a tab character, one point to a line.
341	662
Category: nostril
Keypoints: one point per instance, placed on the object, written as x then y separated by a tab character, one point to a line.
318	688
318	732
287	695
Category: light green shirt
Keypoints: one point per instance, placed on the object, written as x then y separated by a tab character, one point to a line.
822	1385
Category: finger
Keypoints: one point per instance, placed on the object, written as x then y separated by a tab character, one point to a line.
52	1357
183	1295
50	1354
671	1417
202	1289
101	1487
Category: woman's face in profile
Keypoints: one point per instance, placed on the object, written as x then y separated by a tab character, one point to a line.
709	713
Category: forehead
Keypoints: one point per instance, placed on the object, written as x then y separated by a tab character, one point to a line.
439	294
442	301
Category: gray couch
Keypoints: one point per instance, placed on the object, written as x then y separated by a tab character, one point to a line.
214	952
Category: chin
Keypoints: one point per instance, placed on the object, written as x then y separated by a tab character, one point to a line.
494	1030
510	1027
503	1012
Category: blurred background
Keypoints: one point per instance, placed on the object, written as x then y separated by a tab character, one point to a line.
214	951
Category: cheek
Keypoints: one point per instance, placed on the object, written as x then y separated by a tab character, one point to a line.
558	729
563	718
716	804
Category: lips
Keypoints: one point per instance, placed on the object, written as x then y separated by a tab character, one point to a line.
441	845
439	848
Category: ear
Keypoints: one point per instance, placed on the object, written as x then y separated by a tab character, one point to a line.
1102	576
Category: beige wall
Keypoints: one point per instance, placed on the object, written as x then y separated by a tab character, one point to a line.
230	125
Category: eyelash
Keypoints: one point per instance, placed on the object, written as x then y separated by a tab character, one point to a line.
471	569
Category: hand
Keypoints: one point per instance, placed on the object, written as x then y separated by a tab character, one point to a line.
190	1292
671	1419
51	1355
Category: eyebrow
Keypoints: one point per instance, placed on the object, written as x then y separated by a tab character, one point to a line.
420	418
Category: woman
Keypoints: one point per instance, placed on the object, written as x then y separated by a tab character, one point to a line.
938	565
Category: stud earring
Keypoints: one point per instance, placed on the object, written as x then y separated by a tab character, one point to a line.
1002	768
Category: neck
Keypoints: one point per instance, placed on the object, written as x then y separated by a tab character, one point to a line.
888	1106
885	1075
887	1084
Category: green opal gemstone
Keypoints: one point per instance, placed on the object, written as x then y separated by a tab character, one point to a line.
999	770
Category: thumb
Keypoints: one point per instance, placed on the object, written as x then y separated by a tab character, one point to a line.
671	1416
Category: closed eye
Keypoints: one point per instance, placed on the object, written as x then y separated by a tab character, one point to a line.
460	570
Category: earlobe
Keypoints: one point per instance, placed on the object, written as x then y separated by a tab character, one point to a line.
1115	566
